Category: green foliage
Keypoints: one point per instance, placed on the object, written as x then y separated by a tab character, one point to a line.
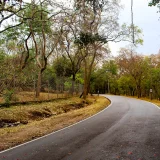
7	95
126	85
139	41
128	31
2	40
49	76
62	67
79	78
95	4
37	17
32	15
11	33
154	81
153	3
67	85
2	56
87	38
110	66
105	77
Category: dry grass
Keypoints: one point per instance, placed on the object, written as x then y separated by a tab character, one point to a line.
155	101
30	96
17	135
28	112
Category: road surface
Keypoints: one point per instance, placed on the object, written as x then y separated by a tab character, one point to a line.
128	130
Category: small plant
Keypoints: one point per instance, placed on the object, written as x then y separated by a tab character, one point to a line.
7	95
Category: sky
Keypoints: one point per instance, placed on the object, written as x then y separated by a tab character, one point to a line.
147	19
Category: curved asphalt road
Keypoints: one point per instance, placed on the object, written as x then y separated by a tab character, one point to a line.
128	130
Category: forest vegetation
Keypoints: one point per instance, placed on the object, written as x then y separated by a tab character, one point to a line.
47	46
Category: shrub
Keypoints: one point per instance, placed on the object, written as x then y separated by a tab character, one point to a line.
7	95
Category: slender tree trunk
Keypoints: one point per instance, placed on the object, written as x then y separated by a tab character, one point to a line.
89	85
87	76
156	91
139	91
73	83
85	81
39	82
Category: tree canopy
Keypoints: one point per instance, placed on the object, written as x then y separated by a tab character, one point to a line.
154	2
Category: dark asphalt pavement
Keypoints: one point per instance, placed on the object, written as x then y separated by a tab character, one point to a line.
128	130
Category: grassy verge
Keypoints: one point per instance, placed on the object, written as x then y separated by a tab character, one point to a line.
30	97
154	101
40	125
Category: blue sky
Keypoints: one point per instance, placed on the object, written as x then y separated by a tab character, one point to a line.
147	19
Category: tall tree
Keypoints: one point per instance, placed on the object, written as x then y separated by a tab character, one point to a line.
96	30
40	34
89	40
70	27
134	65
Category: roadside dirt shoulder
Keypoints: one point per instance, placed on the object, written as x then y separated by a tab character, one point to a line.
37	127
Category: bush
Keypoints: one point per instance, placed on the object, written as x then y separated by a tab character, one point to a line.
7	95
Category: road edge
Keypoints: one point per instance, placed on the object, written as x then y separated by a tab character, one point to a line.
154	104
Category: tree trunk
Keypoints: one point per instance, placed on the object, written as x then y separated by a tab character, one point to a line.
139	91
87	74
86	84
85	89
39	82
73	84
89	83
